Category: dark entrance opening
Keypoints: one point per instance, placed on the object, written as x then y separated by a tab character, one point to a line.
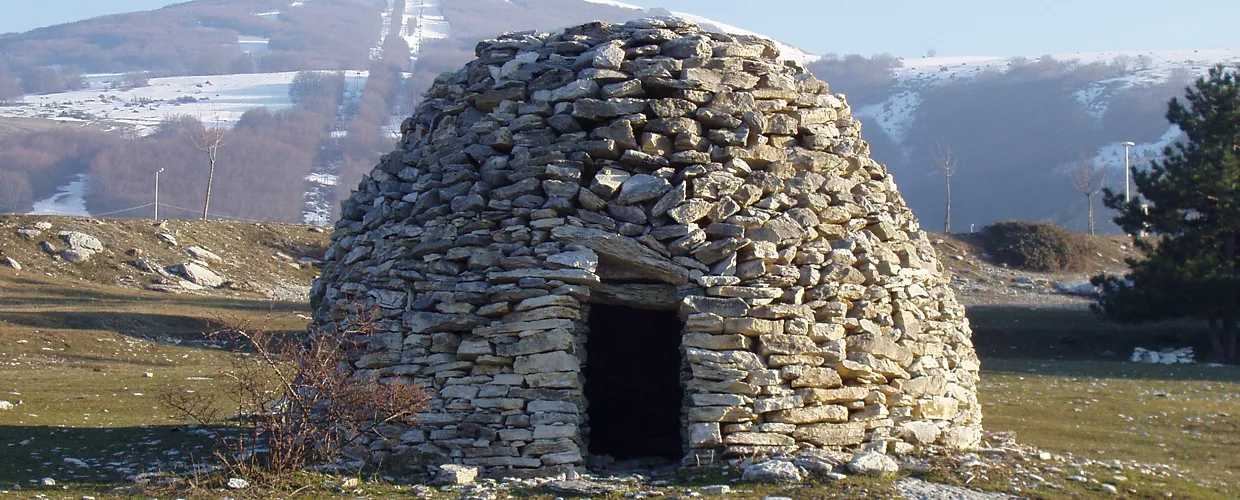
633	382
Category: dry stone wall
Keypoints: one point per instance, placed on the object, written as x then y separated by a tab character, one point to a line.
557	170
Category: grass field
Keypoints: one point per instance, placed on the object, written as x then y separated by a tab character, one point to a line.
78	357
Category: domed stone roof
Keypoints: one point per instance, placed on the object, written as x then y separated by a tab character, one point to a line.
699	216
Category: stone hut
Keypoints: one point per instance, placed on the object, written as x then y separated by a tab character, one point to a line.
646	240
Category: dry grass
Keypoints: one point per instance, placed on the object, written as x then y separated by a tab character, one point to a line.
75	353
248	251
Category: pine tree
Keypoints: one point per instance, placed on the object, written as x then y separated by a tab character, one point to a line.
1190	200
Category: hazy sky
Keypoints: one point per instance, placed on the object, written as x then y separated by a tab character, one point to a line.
902	27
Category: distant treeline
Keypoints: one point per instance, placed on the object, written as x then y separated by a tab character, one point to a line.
260	175
200	38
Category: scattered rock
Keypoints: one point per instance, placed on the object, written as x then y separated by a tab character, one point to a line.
29	234
1164	357
1082	288
236	483
167	238
48	482
582	487
8	261
81	246
718	489
201	253
772	471
872	463
456	474
5	405
917	489
197	274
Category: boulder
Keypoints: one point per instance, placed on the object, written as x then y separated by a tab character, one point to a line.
772	471
197	274
456	474
873	463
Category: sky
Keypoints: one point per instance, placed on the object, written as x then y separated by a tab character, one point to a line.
904	28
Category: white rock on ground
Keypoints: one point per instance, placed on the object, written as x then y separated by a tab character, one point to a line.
201	253
8	261
197	274
5	405
1076	287
772	471
81	246
917	489
237	483
457	474
872	463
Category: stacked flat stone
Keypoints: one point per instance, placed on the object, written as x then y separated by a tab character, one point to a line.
734	185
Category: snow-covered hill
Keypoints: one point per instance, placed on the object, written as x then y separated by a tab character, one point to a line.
897	113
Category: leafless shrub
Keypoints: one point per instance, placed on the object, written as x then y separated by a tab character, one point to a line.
292	400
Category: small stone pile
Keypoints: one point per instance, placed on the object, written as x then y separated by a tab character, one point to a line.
658	166
1167	356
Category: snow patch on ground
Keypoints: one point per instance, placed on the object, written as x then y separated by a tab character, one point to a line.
219	100
69	200
614	3
324	179
1145	67
893	116
423	21
1111	156
389	10
251	44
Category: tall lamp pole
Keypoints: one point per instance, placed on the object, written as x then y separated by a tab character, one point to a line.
1127	168
157	172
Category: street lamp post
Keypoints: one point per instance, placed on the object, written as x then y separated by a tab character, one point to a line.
157	172
1127	168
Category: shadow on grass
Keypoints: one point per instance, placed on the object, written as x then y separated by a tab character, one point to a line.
1075	342
1057	333
88	457
39	293
1112	370
167	329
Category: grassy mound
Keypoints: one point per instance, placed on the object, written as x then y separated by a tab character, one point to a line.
1035	246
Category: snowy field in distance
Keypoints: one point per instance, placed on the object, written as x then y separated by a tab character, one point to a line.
218	100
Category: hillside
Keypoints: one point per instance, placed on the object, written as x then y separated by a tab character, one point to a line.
256	261
1016	125
278	261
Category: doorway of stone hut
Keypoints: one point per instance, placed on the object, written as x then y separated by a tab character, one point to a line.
633	390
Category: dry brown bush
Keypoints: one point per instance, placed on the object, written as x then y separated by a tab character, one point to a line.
1035	246
292	401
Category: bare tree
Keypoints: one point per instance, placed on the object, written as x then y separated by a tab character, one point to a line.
208	141
1088	182
945	163
10	89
